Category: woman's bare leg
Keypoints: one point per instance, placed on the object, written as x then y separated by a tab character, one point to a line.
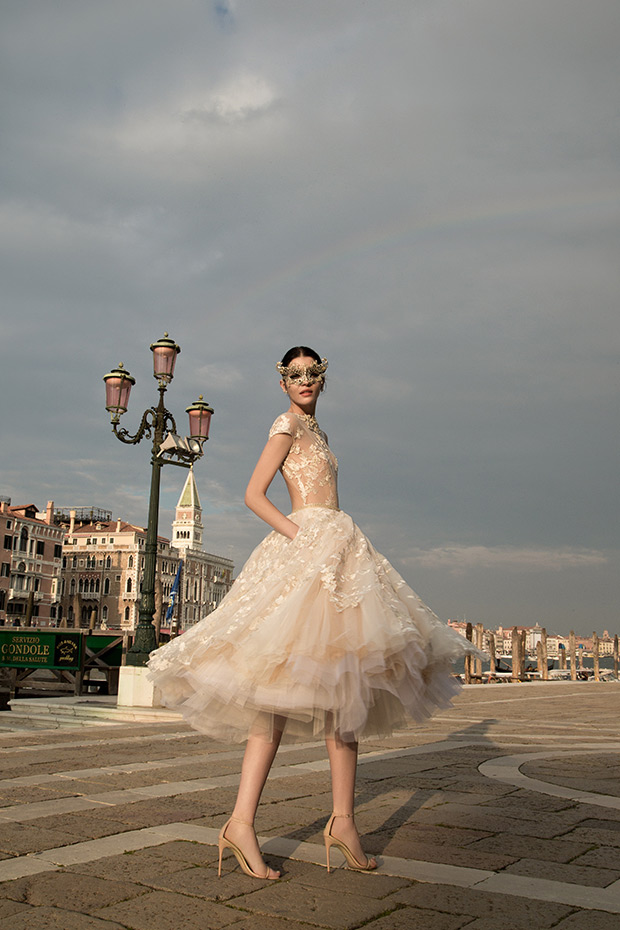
343	767
257	760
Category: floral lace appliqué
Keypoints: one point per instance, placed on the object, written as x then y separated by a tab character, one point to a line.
310	469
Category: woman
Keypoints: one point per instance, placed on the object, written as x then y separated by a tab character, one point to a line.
319	635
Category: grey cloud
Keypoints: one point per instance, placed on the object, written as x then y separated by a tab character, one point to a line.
427	192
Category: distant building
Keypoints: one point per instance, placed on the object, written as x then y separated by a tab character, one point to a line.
606	644
31	565
103	568
205	578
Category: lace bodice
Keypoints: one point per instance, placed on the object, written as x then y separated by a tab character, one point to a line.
310	469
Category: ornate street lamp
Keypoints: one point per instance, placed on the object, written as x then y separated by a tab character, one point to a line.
167	448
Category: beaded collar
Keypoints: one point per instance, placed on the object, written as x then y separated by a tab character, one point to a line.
310	421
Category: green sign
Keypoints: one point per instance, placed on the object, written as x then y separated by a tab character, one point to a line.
34	649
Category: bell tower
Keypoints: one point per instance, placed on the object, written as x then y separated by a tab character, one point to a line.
187	527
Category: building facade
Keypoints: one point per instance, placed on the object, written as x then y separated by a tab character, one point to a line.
103	570
30	568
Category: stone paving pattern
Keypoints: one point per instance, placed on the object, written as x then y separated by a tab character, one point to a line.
115	827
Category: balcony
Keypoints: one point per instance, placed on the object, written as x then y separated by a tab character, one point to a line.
17	594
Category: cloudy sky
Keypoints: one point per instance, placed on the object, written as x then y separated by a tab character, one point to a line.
426	191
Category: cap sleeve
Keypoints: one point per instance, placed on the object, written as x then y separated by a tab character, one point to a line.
284	424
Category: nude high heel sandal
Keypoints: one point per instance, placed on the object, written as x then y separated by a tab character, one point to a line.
369	866
224	843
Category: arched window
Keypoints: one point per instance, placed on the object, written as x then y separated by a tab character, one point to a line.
72	587
108	562
104	612
127	614
81	586
97	586
130	562
74	562
128	586
23	540
106	586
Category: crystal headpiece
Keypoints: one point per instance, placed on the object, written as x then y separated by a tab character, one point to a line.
307	373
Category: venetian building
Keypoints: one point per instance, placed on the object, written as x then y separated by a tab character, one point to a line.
103	568
30	566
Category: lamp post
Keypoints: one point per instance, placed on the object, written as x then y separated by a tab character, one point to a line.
167	449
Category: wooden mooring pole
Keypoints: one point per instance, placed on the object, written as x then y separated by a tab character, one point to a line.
517	655
543	643
492	655
572	651
468	658
595	657
479	644
541	662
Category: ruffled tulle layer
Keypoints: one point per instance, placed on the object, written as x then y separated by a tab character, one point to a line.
320	630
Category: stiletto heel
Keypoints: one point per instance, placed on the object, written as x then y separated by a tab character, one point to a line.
352	862
224	843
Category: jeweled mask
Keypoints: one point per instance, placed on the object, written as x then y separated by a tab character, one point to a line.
303	374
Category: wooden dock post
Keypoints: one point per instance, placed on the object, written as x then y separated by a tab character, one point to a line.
543	643
616	655
541	662
492	654
517	655
595	657
479	644
572	651
468	658
561	657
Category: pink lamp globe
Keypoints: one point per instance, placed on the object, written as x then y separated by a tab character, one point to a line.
165	352
118	384
200	415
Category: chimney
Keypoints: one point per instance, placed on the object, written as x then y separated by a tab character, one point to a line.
72	521
49	512
118	525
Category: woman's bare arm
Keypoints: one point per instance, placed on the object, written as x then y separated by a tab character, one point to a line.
256	498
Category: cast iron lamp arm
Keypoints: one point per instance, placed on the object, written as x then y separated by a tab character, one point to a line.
155	419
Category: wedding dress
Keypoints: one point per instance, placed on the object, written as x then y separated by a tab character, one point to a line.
320	629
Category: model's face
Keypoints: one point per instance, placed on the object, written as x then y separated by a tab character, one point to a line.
304	381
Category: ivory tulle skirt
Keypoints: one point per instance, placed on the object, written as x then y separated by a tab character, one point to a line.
320	630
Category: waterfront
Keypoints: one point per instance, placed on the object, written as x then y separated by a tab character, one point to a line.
606	664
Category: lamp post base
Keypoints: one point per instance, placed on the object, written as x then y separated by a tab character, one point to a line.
135	689
144	643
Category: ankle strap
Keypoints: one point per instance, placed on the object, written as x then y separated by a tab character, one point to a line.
248	823
350	816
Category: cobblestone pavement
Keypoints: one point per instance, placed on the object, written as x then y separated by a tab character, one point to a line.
502	813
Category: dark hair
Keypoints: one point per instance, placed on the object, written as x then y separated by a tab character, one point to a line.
299	352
